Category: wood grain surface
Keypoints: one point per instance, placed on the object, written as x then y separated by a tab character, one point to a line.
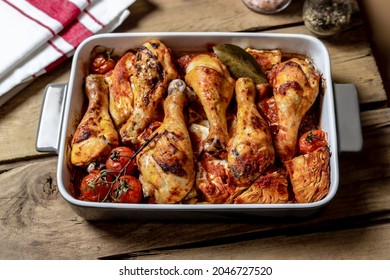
37	223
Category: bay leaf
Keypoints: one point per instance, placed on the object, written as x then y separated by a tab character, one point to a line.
240	63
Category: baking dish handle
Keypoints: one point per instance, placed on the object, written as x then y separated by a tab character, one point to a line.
348	118
49	129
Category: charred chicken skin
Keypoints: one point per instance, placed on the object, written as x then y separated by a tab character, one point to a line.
296	87
153	71
121	95
250	150
166	164
95	135
214	86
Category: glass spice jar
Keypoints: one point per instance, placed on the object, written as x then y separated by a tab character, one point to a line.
326	18
267	6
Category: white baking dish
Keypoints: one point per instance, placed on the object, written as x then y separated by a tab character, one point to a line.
64	105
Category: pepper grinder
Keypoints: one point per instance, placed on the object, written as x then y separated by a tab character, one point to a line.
326	18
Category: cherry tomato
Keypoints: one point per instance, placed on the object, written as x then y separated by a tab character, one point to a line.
95	187
119	161
127	190
312	140
101	64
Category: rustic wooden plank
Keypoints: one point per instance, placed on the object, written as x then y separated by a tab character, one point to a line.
376	13
373	161
375	118
7	166
369	243
201	15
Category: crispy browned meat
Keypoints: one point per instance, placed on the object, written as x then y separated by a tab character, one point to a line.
268	188
212	179
166	164
266	58
250	150
154	70
95	135
310	175
214	86
121	95
296	87
269	111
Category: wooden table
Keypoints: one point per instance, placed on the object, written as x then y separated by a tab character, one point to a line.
36	222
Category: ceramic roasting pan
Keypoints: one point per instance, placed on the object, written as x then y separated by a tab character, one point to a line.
62	109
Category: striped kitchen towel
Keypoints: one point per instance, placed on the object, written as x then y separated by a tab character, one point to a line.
37	35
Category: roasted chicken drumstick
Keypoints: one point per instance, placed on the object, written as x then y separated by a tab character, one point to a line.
95	135
214	86
296	87
250	150
121	95
154	70
166	164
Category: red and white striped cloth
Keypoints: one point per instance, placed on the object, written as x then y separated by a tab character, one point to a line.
37	35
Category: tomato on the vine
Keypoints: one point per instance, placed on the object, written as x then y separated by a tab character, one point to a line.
95	187
120	161
127	189
311	141
101	64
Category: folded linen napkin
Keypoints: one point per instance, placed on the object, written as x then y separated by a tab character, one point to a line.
41	34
